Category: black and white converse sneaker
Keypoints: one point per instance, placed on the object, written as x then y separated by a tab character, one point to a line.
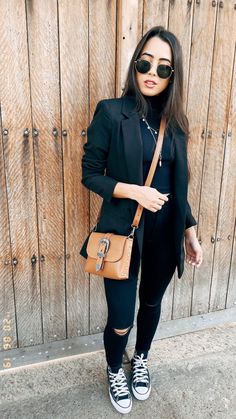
119	391
140	381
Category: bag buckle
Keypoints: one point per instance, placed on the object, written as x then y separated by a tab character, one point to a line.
131	235
106	242
102	250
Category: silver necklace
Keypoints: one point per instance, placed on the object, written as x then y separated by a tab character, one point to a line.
153	131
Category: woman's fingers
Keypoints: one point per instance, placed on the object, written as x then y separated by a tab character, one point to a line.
195	259
160	201
194	253
152	199
156	206
199	259
163	196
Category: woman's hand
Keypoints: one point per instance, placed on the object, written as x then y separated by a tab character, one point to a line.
194	254
150	198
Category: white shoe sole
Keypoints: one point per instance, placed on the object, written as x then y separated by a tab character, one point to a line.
119	408
141	396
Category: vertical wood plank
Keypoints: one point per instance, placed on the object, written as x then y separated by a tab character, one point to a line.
214	150
182	12
19	169
129	32
7	304
73	34
227	209
45	94
198	82
102	48
155	13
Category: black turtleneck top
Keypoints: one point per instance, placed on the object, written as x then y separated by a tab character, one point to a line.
163	177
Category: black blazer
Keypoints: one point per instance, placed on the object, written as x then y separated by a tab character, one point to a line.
114	148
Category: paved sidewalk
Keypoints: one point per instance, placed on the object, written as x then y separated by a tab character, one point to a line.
193	377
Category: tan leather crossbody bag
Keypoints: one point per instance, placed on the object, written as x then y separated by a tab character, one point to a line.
109	254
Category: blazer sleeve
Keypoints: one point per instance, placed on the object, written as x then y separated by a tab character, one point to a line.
190	220
95	154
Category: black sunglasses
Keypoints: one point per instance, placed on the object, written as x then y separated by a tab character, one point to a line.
163	70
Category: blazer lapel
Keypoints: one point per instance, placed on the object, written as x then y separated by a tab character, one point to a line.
133	147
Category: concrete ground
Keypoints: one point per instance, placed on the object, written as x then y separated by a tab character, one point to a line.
193	377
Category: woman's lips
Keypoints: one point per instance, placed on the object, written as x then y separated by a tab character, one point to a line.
149	84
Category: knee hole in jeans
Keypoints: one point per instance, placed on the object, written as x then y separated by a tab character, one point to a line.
153	305
121	332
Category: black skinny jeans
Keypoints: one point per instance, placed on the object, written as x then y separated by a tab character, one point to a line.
158	263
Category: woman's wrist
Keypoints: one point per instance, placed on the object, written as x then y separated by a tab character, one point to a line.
135	192
126	190
190	232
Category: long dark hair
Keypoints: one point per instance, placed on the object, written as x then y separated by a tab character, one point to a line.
172	96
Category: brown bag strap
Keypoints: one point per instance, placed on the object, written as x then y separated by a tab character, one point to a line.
152	169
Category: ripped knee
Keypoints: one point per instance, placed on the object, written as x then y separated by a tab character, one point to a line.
152	305
122	332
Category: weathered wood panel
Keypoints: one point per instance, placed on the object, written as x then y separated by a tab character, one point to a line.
199	78
129	32
155	12
222	65
7	304
45	97
74	62
223	260
19	171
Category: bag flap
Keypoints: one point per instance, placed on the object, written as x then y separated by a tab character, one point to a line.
115	251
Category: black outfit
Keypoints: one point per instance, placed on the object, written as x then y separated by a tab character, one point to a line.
120	146
158	261
115	147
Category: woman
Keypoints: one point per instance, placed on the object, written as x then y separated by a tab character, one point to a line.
117	156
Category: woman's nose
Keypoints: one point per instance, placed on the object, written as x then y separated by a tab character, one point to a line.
153	69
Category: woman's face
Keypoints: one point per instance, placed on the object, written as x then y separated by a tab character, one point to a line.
157	52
